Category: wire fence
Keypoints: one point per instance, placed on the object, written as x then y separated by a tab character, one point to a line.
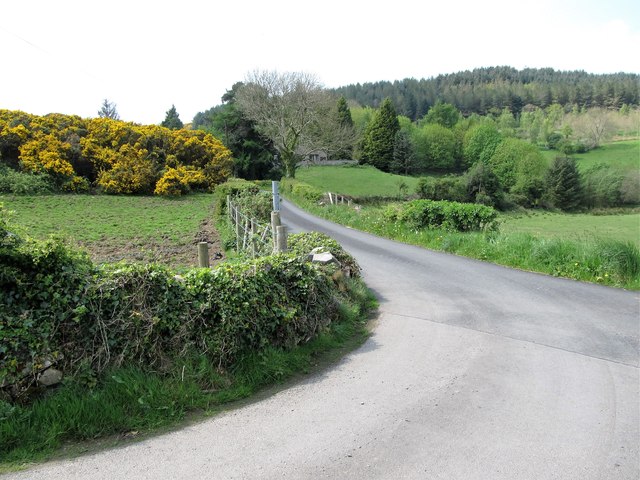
335	199
252	237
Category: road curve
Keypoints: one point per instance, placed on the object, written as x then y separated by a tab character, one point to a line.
474	371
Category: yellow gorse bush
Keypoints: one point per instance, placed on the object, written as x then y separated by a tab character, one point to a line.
116	156
46	154
178	181
132	172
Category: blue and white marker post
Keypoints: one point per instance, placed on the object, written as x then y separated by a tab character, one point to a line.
275	190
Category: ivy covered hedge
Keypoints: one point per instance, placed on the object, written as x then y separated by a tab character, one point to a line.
453	216
233	187
56	307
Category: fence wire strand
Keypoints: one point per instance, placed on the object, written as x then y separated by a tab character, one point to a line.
257	240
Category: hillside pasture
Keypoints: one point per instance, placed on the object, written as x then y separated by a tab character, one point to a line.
114	228
623	156
356	180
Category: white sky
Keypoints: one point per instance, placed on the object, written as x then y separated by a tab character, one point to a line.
67	56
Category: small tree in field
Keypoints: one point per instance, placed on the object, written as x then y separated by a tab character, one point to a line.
563	182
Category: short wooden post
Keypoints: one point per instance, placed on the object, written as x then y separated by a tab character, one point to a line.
281	234
203	254
275	223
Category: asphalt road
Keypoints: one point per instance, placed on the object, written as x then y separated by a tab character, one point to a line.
473	371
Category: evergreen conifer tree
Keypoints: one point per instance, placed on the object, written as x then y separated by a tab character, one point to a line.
379	137
108	110
564	186
172	120
403	155
344	114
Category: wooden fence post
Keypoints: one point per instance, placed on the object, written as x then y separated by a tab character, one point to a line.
203	254
281	234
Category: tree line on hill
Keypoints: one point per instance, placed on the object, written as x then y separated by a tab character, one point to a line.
500	158
500	152
491	90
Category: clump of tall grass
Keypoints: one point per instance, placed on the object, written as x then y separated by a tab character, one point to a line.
620	257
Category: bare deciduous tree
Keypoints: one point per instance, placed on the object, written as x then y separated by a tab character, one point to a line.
294	111
592	127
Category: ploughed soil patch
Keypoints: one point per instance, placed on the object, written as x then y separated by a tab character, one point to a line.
175	254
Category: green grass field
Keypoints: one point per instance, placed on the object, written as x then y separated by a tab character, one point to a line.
114	228
356	181
366	181
575	226
623	156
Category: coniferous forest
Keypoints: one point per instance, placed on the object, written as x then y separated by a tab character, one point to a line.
490	90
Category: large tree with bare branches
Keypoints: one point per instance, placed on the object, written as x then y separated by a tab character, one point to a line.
295	112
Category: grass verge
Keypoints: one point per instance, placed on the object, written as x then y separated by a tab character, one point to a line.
587	258
131	401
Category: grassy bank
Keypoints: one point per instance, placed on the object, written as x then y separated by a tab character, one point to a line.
606	261
132	401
